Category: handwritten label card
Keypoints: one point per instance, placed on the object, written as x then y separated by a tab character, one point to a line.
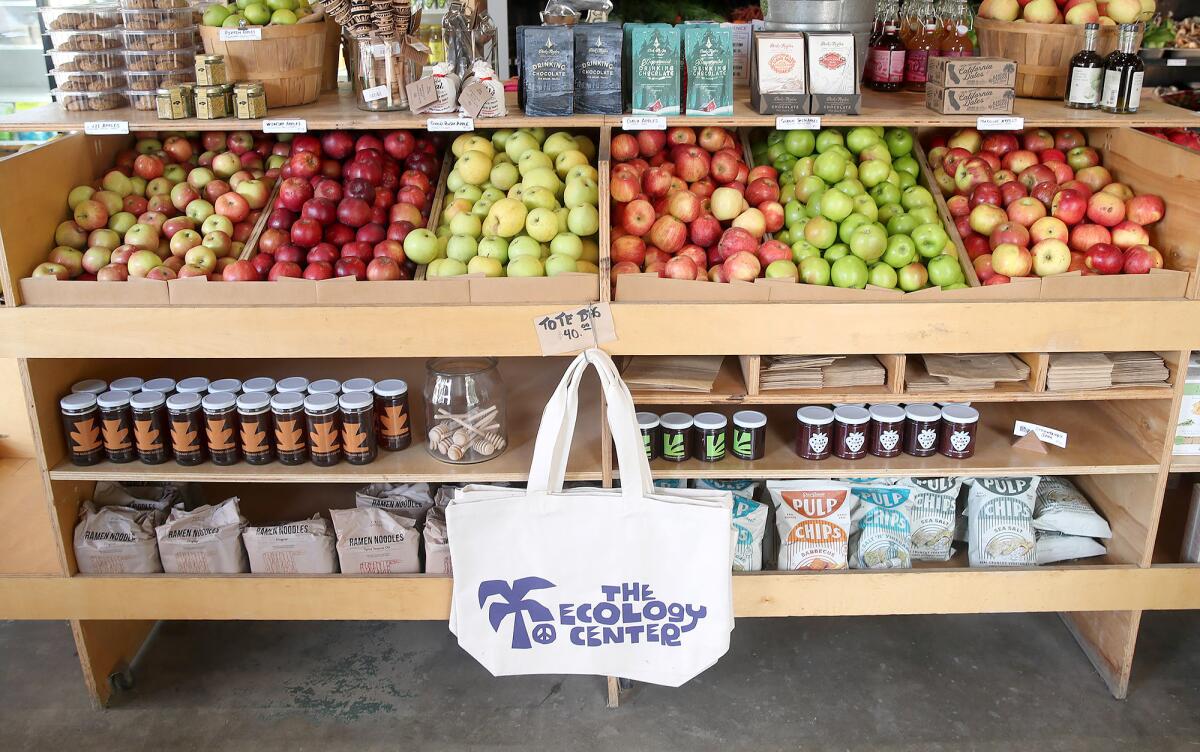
1049	435
575	329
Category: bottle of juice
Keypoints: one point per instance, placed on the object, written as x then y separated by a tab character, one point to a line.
956	40
923	44
885	61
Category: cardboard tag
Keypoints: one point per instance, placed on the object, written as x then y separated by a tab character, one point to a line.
379	50
644	123
285	125
106	127
1049	435
473	98
1000	123
248	34
1176	62
451	124
575	329
375	93
421	94
798	123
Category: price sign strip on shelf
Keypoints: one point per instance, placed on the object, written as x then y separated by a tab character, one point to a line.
1000	123
575	329
1045	433
106	127
644	123
450	124
798	123
285	125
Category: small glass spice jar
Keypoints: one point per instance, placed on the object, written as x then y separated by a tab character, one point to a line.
749	435
81	425
175	102
187	428
116	426
850	432
358	427
921	423
259	384
94	387
324	436
220	427
391	415
287	414
813	432
649	425
164	385
131	384
210	70
325	386
360	384
192	385
150	427
249	101
960	425
210	103
710	431
254	416
676	431
233	386
297	384
886	436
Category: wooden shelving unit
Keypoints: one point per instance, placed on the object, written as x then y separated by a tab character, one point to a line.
1119	449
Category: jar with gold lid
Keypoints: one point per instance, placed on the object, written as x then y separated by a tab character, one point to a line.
175	102
210	103
210	70
249	100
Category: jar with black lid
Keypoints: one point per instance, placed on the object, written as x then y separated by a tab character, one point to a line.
814	432
296	384
116	425
94	387
233	386
676	431
850	431
192	385
254	416
221	427
886	437
263	384
324	436
358	427
649	425
709	435
150	428
921	423
391	414
187	428
131	384
287	413
81	425
162	384
749	435
360	384
325	386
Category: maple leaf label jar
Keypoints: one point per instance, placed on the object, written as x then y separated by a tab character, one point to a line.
465	409
324	436
254	416
116	426
813	432
710	431
921	422
960	424
850	431
81	426
887	430
391	415
220	425
187	427
287	414
358	427
150	427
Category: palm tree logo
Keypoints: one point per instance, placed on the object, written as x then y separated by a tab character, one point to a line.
513	602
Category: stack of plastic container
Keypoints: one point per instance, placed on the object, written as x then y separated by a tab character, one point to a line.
86	55
161	38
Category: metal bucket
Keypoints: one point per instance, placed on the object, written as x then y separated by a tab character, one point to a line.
830	15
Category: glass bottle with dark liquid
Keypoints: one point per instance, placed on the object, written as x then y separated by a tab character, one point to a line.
1086	73
1123	73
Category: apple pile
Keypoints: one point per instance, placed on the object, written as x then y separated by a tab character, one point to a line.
346	207
173	207
1038	203
1184	137
519	204
1076	12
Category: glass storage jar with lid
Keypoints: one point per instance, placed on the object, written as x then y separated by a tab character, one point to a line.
465	409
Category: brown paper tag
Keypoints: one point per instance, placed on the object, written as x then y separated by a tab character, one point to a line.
474	97
421	94
574	329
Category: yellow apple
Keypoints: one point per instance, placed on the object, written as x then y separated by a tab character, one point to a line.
505	219
532	160
568	159
557	143
475	166
542	225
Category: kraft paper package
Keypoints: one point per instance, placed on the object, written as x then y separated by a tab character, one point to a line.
375	541
412	500
437	543
303	547
157	499
115	540
206	540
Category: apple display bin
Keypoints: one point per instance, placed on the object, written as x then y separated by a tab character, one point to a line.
288	61
1043	52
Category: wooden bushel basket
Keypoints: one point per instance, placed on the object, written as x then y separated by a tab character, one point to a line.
288	60
1043	52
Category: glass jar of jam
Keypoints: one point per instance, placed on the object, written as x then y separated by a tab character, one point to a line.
887	430
131	384
710	431
358	427
360	384
325	386
921	423
391	415
749	435
150	429
850	431
94	387
81	424
187	428
287	414
233	386
116	426
324	435
221	427
258	385
192	385
813	432
648	424
297	384
164	385
960	426
254	416
676	431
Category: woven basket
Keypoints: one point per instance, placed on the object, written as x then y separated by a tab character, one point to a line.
1043	52
288	60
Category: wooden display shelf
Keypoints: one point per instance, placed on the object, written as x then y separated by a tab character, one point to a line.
1181	463
338	110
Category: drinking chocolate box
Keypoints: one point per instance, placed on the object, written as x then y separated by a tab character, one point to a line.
655	69
833	74
598	69
708	54
547	70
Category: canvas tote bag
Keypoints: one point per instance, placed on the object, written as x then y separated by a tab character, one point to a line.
632	582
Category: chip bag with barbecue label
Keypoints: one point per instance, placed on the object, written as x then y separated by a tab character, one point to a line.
813	517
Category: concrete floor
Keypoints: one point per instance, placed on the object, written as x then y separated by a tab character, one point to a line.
901	683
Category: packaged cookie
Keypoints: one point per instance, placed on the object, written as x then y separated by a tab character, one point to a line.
158	18
90	101
150	4
159	79
84	62
1000	521
97	81
813	517
80	17
160	60
85	41
159	40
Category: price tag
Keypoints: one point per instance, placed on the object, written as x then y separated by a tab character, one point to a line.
106	127
1049	435
450	124
644	123
379	50
575	329
421	94
798	123
473	97
1000	123
1176	62
375	93
285	125
248	34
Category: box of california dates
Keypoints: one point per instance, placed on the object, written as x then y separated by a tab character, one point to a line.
832	74
972	72
969	101
777	85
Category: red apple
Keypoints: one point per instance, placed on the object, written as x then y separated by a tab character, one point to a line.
1066	139
284	269
762	190
1026	211
1009	232
656	182
383	268
724	167
293	192
370	233
322	252
624	188
1037	141
1000	143
1038	173
1062	172
290	252
680	267
1086	235
959	206
773	214
1140	259
668	234
1104	258
953	158
1145	210
350	267
684	206
983	267
692	164
241	271
629	248
975	171
624	147
705	231
1003	176
271	240
976	245
992	160
1126	234
743	266
1011	261
1069	205
1044	192
651	142
338	234
736	240
713	138
1105	209
318	270
638	218
1048	228
233	206
986	193
1084	189
1013	190
1095	177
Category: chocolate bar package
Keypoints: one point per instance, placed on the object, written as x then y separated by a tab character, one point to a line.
777	81
598	69
708	54
833	74
654	73
547	70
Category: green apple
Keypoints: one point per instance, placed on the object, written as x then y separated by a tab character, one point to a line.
566	244
836	251
471	193
524	246
233	21
505	219
443	244
829	138
955	286
865	205
868	242
797	228
491	194
518	143
580	191
799	143
781	269
474	166
877	151
454	180
481	208
559	142
775	137
214	15
569	160
122	221
500	138
901	224
275	5
582	171
930	239
257	14
809	186
584	220
849	271
787	189
885	193
873	172
850	186
534	160
899	141
492	247
541	224
284	18
485	265
526	266
925	215
462	248
537	197
901	251
784	163
887	211
906	180
830	167
803	168
544	177
813	207
803	249
466	224
784	236
538	133
814	271
557	264
860	138
449	267
821	232
849	225
907	164
882	275
775	151
421	246
586	267
793	212
912	277
944	270
836	205
564	215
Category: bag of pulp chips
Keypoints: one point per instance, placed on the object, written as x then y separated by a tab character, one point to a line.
206	540
881	533
749	520
813	517
1000	521
1060	507
1054	547
931	511
304	547
115	540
